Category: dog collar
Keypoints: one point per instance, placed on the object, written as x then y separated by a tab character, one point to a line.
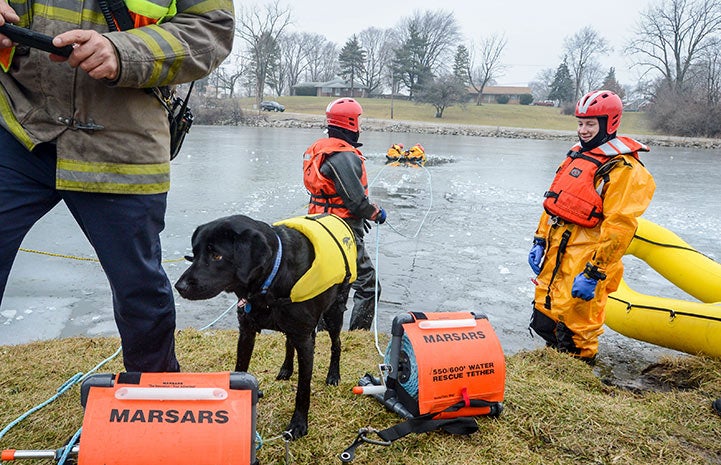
276	265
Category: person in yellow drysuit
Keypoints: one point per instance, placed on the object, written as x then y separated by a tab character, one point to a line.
395	153
416	155
589	219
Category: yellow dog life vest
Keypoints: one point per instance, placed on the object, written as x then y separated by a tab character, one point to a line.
335	254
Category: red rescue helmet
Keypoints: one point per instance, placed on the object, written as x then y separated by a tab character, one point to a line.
601	103
344	113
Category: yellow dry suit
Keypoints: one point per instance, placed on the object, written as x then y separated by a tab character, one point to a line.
626	187
335	254
416	155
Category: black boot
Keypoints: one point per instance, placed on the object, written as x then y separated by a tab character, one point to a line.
362	315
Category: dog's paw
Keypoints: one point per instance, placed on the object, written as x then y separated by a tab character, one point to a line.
298	426
284	374
332	379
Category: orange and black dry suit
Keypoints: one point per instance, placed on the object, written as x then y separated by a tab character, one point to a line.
622	188
334	174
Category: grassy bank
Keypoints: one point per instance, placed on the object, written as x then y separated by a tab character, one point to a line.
557	411
514	116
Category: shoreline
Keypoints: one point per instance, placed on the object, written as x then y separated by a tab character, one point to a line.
305	121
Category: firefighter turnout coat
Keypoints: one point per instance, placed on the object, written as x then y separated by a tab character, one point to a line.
111	137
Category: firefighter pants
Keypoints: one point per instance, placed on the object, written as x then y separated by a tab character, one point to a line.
124	230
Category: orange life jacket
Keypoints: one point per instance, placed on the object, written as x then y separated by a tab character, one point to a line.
324	197
575	193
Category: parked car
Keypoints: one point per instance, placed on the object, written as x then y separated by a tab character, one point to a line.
270	105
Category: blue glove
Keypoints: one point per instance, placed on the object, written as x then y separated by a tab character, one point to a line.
535	256
380	216
584	287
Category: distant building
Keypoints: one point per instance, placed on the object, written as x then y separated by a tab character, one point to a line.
335	88
492	94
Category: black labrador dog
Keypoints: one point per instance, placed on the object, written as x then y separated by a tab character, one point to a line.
241	255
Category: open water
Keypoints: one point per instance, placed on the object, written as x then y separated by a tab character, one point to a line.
457	236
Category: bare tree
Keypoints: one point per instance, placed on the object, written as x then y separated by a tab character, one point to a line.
710	71
260	30
322	56
541	84
581	50
594	76
486	63
227	76
441	33
378	44
671	36
293	55
443	92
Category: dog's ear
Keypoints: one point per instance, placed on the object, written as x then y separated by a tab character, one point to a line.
251	251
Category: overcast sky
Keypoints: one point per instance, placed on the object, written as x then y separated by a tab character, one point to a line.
534	29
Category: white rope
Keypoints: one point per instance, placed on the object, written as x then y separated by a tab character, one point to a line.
377	252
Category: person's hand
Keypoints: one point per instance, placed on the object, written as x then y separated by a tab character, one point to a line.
92	52
535	256
7	15
584	287
379	216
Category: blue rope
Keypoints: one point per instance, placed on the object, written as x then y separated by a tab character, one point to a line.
69	447
232	306
75	379
411	384
60	391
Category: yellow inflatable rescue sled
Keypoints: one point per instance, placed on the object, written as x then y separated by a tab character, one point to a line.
687	326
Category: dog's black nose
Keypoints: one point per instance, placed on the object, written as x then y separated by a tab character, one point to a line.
182	285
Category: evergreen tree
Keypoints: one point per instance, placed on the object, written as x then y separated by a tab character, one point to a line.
562	88
408	63
610	83
462	64
352	60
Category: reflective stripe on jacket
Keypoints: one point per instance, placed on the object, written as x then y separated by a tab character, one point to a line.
110	137
324	196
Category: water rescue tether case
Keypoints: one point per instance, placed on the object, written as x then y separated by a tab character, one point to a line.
172	418
443	369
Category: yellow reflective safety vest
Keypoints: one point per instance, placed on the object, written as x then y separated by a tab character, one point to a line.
335	254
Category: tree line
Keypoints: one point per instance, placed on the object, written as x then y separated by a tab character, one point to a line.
676	46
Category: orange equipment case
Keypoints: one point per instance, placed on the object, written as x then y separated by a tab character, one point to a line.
171	418
456	357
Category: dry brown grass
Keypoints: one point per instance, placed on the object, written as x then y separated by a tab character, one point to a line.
556	410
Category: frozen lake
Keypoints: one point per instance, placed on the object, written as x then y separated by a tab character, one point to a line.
457	236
